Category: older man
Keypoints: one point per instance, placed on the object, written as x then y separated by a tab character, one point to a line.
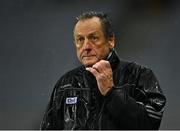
105	92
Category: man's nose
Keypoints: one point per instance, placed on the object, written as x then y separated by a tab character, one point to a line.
87	44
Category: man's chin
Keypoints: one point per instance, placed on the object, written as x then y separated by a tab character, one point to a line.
89	63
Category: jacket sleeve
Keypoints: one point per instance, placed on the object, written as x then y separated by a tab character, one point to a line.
139	105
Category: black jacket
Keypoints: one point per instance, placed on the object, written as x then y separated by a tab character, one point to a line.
135	102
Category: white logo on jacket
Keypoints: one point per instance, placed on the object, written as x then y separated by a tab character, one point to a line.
71	100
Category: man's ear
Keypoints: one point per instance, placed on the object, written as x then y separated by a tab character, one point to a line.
111	41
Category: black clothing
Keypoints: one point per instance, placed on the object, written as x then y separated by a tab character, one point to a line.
135	102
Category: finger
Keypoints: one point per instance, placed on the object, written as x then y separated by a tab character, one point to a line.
93	71
102	66
99	66
106	63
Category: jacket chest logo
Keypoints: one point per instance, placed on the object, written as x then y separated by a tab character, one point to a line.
71	100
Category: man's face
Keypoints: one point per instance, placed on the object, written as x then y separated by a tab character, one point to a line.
91	44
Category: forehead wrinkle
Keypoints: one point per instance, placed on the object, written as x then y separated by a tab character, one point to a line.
89	33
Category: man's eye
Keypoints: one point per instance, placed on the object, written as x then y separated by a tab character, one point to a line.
80	39
94	38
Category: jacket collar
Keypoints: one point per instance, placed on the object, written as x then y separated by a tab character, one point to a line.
113	59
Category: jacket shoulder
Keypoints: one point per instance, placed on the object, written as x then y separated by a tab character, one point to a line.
132	72
133	66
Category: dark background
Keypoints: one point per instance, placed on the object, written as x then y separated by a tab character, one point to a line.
36	48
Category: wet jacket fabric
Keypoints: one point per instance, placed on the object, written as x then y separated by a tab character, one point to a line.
135	102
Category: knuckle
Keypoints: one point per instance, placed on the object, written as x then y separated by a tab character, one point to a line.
107	62
94	71
100	78
98	63
104	61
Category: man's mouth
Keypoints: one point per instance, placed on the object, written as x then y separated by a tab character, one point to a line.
88	56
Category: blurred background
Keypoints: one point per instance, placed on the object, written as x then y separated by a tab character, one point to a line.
36	48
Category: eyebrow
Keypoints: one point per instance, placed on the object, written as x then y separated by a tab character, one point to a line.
93	33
